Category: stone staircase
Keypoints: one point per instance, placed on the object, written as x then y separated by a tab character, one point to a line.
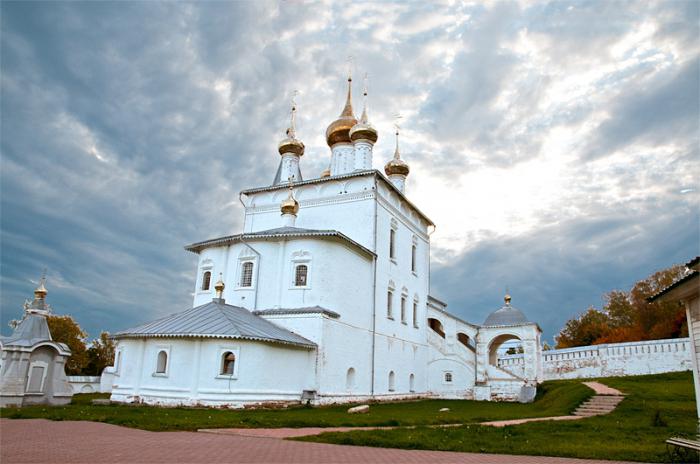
598	405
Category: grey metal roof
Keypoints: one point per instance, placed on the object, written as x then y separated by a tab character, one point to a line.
365	172
506	315
31	330
278	233
216	319
307	310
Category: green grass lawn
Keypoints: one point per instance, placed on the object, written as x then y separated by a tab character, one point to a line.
632	432
554	398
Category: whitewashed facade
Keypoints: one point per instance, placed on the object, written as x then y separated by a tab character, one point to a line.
344	264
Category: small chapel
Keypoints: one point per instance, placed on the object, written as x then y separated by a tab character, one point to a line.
323	297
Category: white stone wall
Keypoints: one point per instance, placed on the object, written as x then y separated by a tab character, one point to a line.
263	372
609	360
84	383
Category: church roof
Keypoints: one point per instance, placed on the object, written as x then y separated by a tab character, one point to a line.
216	319
507	315
365	172
31	330
274	234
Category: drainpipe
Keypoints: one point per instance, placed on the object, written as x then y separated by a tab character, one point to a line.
374	285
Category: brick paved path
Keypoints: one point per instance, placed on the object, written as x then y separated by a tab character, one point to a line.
43	441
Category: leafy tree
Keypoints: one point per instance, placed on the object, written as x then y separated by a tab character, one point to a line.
100	355
64	329
628	316
583	330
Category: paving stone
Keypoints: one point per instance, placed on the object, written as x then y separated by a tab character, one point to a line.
78	442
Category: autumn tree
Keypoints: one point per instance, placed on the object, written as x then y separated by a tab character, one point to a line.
100	355
64	329
628	316
584	329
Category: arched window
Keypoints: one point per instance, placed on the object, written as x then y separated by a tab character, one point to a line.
415	312
389	304
300	275
162	363
392	381
403	309
413	259
411	383
206	280
228	363
464	339
436	326
350	379
392	244
247	274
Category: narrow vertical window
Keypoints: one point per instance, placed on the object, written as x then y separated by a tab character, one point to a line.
389	309
412	383
415	313
392	381
162	363
247	274
300	275
413	258
206	280
392	244
403	309
228	363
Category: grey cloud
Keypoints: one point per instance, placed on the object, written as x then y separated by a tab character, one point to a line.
664	109
134	84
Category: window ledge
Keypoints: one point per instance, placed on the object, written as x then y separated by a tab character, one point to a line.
252	287
404	322
414	273
160	374
227	377
294	287
391	318
415	326
393	260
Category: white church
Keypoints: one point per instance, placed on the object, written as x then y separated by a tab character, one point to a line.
324	297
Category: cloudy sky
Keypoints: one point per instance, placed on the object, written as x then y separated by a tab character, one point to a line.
555	145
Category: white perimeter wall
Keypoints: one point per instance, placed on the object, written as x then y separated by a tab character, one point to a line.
609	360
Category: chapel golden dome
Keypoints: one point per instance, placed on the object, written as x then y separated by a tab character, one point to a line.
339	130
290	144
219	287
290	205
41	291
363	130
396	165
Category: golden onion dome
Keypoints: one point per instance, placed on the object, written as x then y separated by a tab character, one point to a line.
339	130
396	165
291	145
363	130
290	205
219	287
41	291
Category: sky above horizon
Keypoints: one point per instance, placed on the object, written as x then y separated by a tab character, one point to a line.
555	145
